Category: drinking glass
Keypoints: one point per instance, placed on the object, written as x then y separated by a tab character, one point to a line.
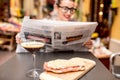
115	64
32	46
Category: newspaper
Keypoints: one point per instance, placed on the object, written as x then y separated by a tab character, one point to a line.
59	35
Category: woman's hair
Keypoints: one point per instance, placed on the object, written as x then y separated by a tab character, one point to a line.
59	1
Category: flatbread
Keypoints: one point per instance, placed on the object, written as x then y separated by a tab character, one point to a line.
62	65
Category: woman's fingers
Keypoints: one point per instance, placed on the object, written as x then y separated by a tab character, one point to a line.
88	44
18	39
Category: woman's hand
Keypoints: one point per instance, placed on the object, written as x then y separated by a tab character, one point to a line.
18	39
88	44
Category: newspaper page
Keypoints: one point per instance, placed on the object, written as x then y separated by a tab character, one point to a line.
59	35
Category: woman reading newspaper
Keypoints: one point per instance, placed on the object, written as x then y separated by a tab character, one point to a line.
63	10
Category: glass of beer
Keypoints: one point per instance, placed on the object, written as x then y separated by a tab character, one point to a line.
33	46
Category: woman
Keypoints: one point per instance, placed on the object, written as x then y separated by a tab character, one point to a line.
65	10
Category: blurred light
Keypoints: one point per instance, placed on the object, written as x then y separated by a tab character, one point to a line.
101	13
101	5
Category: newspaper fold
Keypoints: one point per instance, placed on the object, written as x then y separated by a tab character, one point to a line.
59	35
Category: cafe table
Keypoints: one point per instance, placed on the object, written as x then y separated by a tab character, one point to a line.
16	67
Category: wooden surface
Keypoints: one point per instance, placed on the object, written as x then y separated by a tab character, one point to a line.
89	64
8	40
104	58
102	55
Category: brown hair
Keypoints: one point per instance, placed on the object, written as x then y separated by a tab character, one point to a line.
59	1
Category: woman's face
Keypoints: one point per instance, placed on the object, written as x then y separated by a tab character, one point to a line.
66	10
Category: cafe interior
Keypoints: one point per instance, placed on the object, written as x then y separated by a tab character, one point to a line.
106	39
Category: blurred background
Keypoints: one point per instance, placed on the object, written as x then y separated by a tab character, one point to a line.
105	12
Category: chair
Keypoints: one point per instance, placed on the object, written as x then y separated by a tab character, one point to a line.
115	64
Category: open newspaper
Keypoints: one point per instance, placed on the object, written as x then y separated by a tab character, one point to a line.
59	35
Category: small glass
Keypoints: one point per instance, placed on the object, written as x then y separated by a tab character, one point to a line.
33	46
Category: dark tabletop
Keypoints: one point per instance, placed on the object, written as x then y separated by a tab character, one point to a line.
16	67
